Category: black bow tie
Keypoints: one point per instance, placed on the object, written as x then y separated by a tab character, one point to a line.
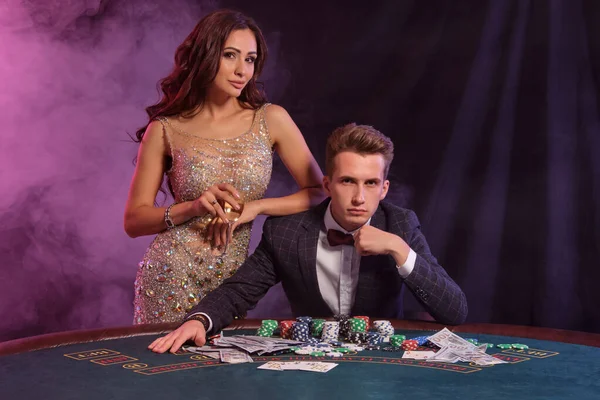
335	238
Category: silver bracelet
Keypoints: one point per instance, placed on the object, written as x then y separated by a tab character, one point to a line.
168	221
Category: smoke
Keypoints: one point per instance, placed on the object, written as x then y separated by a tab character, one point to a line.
75	77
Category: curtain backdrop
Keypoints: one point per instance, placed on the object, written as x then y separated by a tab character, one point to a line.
492	106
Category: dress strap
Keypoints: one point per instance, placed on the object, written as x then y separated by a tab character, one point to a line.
165	122
263	129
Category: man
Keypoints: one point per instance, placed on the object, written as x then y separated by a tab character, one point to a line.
349	255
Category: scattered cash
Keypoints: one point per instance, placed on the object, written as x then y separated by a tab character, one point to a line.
227	348
453	348
237	349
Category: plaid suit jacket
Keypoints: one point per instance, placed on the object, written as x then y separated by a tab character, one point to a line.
287	253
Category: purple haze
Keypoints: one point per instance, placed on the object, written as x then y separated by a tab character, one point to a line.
75	79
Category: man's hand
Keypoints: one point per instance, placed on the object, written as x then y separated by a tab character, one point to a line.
190	330
370	241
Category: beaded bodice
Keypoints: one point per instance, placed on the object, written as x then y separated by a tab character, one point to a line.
180	266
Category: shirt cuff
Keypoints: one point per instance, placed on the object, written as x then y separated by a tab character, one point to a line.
210	324
405	269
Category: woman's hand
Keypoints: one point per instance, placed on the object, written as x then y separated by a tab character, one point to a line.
217	231
249	212
212	199
221	232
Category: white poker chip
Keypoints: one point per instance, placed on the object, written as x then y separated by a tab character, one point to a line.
353	347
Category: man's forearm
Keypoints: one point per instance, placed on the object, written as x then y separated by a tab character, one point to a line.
399	249
440	295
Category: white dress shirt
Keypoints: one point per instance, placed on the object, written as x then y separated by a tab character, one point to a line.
338	267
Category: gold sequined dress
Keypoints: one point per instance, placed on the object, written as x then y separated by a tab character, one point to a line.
179	267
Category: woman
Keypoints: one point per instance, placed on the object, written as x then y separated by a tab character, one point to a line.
213	135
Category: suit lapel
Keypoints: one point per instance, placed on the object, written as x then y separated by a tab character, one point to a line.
364	277
307	255
378	219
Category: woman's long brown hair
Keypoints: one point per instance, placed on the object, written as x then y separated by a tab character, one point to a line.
197	62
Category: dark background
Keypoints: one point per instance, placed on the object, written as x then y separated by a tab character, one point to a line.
492	106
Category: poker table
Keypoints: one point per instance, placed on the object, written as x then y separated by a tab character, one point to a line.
114	363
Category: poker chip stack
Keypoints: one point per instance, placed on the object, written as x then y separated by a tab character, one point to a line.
374	338
367	321
410	345
267	328
317	327
307	320
285	329
331	331
358	325
357	337
321	338
421	340
300	331
396	340
384	328
344	322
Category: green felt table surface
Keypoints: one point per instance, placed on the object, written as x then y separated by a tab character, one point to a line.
125	369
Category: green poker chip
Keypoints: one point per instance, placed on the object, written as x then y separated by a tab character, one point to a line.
519	346
341	350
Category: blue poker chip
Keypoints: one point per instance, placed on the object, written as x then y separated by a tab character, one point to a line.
306	320
300	331
421	340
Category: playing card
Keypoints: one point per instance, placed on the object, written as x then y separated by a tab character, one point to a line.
273	366
298	366
316	366
418	355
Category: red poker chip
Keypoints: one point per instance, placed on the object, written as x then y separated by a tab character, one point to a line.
285	328
410	345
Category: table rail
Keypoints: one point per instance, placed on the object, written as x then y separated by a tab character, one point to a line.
57	339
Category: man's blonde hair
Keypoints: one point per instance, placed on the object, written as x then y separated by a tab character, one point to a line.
361	139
